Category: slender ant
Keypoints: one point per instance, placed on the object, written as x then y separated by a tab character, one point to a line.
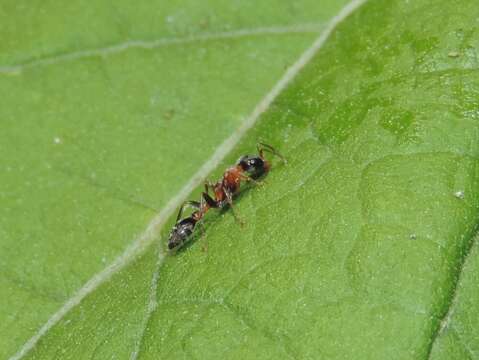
248	168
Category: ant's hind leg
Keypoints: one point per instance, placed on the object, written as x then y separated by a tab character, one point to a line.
193	204
204	248
202	228
229	199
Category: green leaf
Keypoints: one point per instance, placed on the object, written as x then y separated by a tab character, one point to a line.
108	109
456	337
362	246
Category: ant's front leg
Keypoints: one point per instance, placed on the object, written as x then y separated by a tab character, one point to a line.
250	179
261	147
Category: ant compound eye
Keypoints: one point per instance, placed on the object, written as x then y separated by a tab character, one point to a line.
256	163
244	162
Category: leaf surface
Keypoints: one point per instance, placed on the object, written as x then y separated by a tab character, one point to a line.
107	111
362	246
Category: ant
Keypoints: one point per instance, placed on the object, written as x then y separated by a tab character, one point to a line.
247	168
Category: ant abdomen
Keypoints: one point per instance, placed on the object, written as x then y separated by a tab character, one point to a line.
181	232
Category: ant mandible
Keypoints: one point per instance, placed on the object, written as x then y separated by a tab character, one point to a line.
247	168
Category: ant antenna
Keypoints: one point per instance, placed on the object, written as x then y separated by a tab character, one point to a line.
265	147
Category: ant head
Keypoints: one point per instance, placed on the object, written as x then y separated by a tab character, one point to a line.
255	166
180	233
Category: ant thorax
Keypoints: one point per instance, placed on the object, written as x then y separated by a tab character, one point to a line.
232	179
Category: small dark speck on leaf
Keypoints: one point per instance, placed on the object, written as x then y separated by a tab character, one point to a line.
169	114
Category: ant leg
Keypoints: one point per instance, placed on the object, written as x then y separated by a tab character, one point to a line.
265	147
229	199
209	185
209	200
202	228
205	205
204	248
193	204
250	179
